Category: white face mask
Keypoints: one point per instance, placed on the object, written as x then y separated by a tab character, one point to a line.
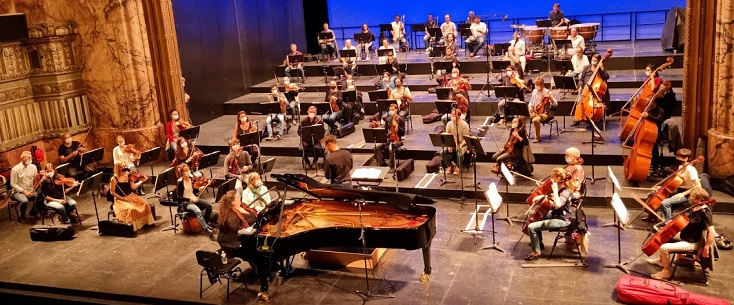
50	175
27	162
594	62
454	75
514	125
67	141
243	119
175	117
286	82
453	118
311	115
274	91
569	160
122	143
188	174
648	73
235	147
509	73
183	145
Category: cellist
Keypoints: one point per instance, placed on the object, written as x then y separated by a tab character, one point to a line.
701	220
238	160
558	217
690	178
587	73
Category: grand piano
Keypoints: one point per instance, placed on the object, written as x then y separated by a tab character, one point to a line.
331	219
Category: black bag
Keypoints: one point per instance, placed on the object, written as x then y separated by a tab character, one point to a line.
214	217
51	232
434	116
345	130
116	228
405	168
434	165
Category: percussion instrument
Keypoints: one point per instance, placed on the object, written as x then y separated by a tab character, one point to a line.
558	33
533	34
587	30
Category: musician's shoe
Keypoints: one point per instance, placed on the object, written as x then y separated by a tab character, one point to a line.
501	122
268	138
542	246
532	256
210	233
536	140
655	261
576	123
650	218
662	275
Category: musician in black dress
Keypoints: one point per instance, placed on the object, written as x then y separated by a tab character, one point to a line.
560	213
393	142
334	114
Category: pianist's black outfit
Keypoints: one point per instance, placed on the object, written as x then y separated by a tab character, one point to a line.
338	166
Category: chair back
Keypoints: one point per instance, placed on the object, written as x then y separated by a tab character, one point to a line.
209	260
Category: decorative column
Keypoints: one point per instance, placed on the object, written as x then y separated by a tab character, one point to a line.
721	133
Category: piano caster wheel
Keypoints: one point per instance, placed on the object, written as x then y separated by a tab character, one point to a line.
262	296
424	277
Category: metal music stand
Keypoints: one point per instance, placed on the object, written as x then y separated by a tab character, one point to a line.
495	200
475	147
88	185
269	107
621	218
564	83
321	107
499	65
384	105
295	59
443	94
385	52
382	68
505	92
92	156
348	53
349	96
543	23
515	109
437	52
562	44
562	66
444	141
377	95
595	134
190	133
148	156
224	188
444	106
501	48
62	169
163	180
435	33
209	160
312	134
375	136
266	167
370	107
361	37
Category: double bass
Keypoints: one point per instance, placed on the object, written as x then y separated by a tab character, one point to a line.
669	185
589	105
642	101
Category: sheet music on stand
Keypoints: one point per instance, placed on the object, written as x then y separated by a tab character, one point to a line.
613	178
369	174
508	175
493	197
620	209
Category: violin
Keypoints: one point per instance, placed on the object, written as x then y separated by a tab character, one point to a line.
403	103
669	185
195	160
589	105
333	103
181	124
201	182
394	138
233	166
282	104
515	80
130	149
510	145
65	181
136	177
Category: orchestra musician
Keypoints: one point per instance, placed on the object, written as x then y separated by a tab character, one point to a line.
70	152
518	45
579	62
173	127
237	160
337	163
188	188
254	189
279	117
398	32
128	206
556	15
395	126
186	153
387	82
507	80
355	109
559	216
574	168
328	46
586	74
577	41
365	45
470	17
448	27
518	62
306	144
462	106
385	46
245	126
234	219
291	93
22	180
452	48
450	154
538	95
334	97
430	24
126	154
298	66
55	194
403	96
688	239
519	140
690	179
349	63
476	40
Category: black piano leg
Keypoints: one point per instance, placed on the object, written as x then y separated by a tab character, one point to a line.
426	263
263	271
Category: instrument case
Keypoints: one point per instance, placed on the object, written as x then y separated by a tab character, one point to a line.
116	228
51	232
405	168
638	290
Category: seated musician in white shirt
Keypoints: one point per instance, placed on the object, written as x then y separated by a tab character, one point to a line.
579	62
476	40
576	39
448	27
349	63
398	32
385	46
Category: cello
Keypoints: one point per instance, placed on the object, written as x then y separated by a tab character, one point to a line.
589	105
635	116
544	205
669	185
641	103
545	186
671	229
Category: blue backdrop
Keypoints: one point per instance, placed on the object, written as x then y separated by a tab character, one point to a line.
350	13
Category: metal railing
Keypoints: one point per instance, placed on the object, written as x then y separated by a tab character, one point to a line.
626	26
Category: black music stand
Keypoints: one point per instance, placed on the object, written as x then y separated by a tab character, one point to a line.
385	52
270	107
544	23
361	37
312	134
162	180
295	59
564	83
562	44
444	106
88	185
499	65
443	94
209	160
348	53
501	48
562	66
91	157
190	133
375	136
62	169
595	136
349	96
515	109
505	92
266	167
370	107
444	141
224	188
377	95
384	105
252	138
437	52
435	33
148	156
464	31
382	68
321	107
475	147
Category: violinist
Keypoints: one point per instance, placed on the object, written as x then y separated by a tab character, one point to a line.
173	127
690	178
349	63
254	189
278	97
186	154
451	50
128	155
688	239
403	96
559	216
70	151
510	78
337	163
450	154
291	93
22	180
188	188
395	126
55	190
458	84
234	217
245	126
541	102
128	206
238	161
516	143
306	144
354	109
587	73
333	97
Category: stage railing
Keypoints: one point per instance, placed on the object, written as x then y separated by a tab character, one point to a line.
625	26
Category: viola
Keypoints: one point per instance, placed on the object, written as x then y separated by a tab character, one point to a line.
540	107
333	103
669	185
181	124
130	149
136	177
233	166
635	115
394	137
65	181
201	182
515	80
510	145
589	105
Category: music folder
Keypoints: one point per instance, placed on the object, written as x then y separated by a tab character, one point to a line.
362	37
295	59
385	52
348	53
326	36
349	96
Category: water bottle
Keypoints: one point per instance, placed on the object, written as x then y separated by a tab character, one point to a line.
224	257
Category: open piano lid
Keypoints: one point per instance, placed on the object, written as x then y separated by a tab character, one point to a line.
327	191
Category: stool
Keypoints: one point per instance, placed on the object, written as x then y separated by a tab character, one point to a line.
713	256
14	205
48	212
550	131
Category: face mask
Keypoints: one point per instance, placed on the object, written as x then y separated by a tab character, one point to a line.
188	174
175	117
391	113
514	125
27	162
235	147
243	119
509	73
125	169
332	87
287	82
67	140
648	73
122	143
258	183
50	175
311	115
454	75
453	119
274	91
594	62
183	145
569	160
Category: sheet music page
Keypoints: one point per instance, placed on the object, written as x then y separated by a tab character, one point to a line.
620	209
366	173
493	197
613	178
